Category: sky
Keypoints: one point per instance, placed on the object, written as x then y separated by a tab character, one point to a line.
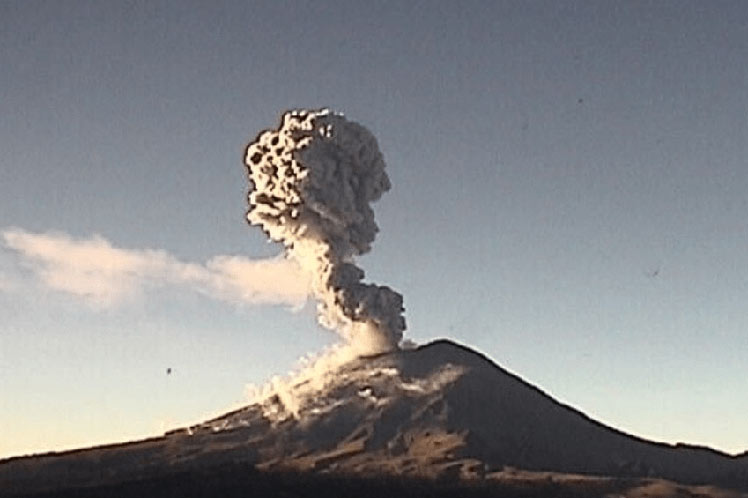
568	197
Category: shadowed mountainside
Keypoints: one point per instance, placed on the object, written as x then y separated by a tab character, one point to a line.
442	411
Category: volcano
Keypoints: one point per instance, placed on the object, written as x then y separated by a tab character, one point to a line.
441	412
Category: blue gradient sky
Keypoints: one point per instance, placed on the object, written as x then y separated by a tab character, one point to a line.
569	197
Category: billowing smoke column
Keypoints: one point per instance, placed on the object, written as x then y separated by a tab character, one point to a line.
313	180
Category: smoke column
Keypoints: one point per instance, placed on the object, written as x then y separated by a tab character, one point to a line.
311	185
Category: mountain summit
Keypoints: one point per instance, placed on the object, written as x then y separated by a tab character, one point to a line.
441	410
445	408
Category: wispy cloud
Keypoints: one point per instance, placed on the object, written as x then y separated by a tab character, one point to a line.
104	275
6	284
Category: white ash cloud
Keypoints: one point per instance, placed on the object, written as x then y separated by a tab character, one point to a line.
105	276
321	386
312	182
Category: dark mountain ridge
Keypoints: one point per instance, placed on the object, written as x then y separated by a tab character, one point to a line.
440	411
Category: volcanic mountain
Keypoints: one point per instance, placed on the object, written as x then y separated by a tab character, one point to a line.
440	411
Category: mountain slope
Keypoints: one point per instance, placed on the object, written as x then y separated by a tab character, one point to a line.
440	410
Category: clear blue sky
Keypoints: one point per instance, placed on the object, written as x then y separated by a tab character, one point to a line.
569	197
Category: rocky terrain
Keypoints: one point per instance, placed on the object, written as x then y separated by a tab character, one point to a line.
439	414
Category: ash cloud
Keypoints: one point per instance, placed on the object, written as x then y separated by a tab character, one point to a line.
312	184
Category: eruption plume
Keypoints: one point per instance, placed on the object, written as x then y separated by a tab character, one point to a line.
312	182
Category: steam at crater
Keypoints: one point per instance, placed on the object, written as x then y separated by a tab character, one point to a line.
312	182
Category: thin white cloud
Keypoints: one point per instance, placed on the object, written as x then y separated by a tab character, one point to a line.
104	276
6	284
238	279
